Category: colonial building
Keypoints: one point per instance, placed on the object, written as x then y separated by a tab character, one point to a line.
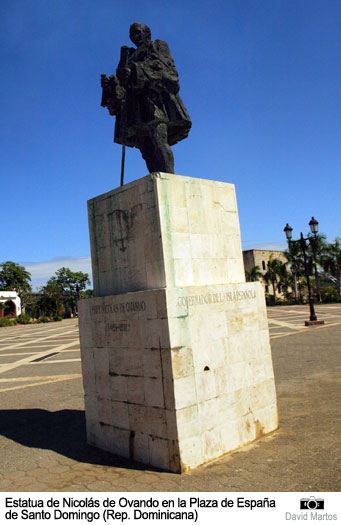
261	258
12	303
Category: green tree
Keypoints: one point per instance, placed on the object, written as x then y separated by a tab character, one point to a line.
86	294
66	286
253	275
273	273
47	306
331	261
12	275
51	303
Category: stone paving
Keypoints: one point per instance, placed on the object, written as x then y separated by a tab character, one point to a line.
42	426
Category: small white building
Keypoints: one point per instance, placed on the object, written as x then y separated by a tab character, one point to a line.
12	302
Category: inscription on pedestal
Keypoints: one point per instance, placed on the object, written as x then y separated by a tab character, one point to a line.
220	297
111	308
118	327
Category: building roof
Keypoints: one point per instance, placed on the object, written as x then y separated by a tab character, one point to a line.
263	251
8	294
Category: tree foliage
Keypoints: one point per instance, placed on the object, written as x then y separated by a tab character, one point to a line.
86	294
72	282
48	306
319	257
331	261
284	276
273	273
65	288
294	257
51	302
316	249
14	276
254	274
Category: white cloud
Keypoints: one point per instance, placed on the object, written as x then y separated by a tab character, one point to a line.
42	271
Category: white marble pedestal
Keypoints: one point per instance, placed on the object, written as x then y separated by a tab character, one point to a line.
176	359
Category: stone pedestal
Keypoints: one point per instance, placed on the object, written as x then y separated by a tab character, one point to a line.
176	359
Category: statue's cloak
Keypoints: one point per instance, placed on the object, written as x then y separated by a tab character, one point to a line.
150	95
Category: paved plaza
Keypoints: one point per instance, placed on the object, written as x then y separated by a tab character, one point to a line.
42	424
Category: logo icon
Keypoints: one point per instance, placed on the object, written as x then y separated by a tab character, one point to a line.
311	503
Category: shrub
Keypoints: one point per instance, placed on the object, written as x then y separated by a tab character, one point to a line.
46	307
329	294
270	300
4	321
24	319
289	296
57	318
43	319
281	302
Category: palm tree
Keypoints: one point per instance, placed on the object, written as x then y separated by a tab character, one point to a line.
305	288
331	261
254	274
285	277
273	273
317	249
295	260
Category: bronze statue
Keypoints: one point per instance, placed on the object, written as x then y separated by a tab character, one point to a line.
143	95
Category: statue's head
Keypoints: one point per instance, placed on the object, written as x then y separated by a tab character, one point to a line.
139	34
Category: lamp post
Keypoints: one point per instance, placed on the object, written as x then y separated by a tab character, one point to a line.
314	229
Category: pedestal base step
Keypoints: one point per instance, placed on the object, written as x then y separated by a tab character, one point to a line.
313	323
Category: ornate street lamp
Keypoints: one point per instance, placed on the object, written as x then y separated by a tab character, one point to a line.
288	232
314	229
313	223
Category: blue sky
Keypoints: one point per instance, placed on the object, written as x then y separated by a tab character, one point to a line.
260	79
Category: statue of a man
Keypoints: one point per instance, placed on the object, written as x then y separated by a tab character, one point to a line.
144	97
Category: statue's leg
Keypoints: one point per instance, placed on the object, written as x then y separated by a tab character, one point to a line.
162	152
147	150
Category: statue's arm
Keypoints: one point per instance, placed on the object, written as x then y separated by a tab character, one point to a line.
123	72
113	87
112	94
